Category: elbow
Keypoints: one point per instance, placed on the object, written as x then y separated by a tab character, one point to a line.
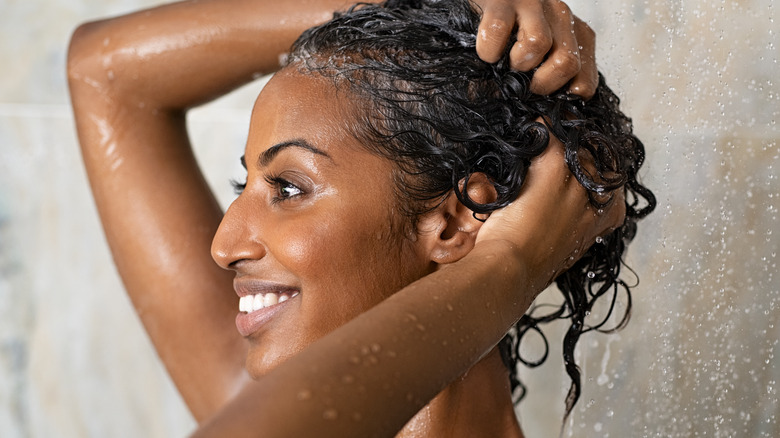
89	62
80	54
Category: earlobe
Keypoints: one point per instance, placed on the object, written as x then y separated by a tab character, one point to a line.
451	229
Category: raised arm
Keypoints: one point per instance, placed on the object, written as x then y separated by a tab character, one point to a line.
131	80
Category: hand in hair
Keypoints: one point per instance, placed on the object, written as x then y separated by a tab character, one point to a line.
554	202
549	38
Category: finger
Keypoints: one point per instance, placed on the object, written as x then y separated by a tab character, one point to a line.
498	19
563	61
534	37
585	82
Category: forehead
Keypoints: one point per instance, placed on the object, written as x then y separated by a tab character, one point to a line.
294	105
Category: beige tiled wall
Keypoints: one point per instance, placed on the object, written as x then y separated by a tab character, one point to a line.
700	80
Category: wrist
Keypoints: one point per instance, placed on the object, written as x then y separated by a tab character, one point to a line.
522	268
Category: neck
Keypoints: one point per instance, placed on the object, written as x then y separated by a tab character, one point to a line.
478	404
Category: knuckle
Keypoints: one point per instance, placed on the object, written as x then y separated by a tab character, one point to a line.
567	63
537	42
497	25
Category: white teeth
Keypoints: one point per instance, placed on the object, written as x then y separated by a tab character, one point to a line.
257	302
242	304
250	303
270	299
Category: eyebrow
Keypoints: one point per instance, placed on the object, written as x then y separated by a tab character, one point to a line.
269	154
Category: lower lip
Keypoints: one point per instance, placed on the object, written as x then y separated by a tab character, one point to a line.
249	323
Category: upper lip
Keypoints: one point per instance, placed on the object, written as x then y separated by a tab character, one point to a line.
248	286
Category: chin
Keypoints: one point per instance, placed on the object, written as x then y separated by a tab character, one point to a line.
259	363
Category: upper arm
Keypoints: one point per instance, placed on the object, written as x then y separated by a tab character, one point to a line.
159	217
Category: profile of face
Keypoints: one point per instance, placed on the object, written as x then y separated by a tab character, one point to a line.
315	238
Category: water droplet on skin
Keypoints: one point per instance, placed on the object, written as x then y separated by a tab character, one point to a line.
420	327
330	414
304	394
376	348
354	359
347	378
356	416
449	307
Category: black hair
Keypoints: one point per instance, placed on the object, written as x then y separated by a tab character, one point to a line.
441	113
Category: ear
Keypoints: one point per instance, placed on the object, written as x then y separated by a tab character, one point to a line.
448	232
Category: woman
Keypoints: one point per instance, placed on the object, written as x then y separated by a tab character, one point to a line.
371	296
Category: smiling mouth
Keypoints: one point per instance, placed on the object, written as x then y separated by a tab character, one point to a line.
251	303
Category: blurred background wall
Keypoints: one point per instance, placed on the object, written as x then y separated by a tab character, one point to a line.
700	80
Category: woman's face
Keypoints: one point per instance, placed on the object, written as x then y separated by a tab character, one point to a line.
315	229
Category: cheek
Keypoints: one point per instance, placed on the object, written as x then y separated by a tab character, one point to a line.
355	259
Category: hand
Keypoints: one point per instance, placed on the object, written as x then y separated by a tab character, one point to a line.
552	223
548	34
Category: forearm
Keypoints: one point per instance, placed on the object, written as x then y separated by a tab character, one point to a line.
183	54
369	377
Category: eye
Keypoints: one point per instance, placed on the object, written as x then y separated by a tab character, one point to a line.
285	190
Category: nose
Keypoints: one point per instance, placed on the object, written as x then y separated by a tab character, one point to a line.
238	237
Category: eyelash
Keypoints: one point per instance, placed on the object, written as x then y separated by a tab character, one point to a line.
238	187
278	183
281	184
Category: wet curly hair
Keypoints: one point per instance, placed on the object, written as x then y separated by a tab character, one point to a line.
441	113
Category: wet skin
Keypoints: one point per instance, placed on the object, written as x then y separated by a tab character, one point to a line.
316	218
160	239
